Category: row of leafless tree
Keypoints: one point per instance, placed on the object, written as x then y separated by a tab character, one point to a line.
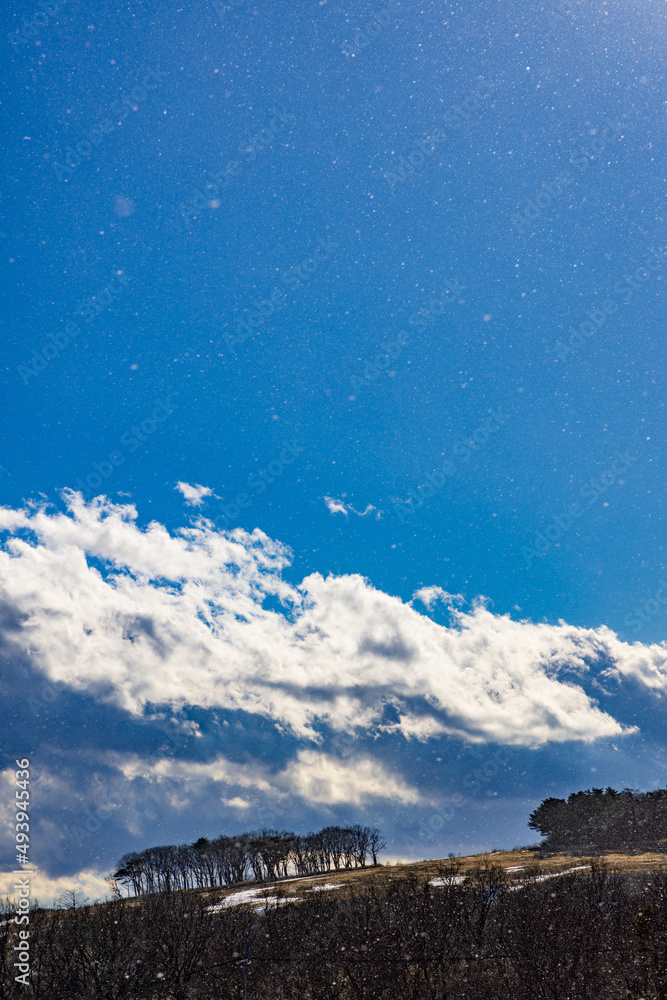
261	855
595	935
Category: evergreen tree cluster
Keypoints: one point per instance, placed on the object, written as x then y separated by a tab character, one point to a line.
603	820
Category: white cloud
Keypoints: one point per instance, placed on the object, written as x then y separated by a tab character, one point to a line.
429	595
236	803
178	620
46	889
645	664
322	779
194	495
219	770
315	777
339	507
335	506
419	727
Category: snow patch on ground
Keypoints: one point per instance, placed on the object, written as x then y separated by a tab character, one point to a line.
256	896
236	899
458	879
543	878
259	898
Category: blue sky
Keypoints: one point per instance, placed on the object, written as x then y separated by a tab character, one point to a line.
332	467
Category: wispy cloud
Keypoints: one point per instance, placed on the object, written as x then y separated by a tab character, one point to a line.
339	507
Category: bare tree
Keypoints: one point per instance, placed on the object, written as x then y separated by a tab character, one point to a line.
71	899
376	843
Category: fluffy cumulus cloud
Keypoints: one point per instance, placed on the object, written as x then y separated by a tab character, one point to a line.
140	617
429	595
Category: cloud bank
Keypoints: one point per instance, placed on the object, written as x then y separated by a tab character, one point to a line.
143	618
318	778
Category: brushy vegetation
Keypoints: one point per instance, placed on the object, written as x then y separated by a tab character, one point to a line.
482	933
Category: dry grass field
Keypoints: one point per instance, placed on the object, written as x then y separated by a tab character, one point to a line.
518	864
